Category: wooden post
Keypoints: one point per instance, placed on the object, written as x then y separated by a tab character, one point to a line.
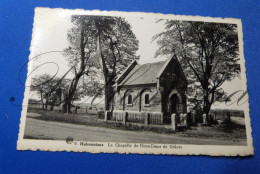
124	118
146	119
105	118
161	115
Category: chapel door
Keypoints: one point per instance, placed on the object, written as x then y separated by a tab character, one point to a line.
174	104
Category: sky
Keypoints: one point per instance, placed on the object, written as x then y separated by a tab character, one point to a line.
50	34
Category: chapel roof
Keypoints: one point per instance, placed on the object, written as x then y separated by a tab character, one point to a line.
143	74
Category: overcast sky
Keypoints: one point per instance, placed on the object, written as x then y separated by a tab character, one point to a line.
50	34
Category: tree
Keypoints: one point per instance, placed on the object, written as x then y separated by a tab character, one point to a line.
79	53
208	53
45	87
114	45
40	88
51	89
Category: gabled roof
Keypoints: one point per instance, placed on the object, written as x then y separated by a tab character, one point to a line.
126	71
144	74
148	73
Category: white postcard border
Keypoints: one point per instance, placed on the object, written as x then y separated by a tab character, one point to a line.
213	150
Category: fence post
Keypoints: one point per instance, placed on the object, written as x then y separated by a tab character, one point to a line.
124	118
173	119
105	118
146	119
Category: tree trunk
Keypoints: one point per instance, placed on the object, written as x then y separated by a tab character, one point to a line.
106	97
42	101
66	106
206	109
46	106
104	69
109	95
67	102
207	106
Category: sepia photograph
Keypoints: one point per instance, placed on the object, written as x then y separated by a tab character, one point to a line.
131	82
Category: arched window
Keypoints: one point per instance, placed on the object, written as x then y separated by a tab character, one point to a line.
129	99
146	99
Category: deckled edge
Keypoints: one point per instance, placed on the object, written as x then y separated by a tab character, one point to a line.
247	152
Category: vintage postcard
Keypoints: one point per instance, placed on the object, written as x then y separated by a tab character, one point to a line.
131	82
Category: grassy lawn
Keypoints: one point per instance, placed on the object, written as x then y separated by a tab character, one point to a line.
232	131
82	119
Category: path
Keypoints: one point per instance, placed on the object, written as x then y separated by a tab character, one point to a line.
60	131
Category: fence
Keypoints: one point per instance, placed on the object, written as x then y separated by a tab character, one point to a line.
146	119
222	114
76	109
40	106
167	119
135	117
155	118
117	116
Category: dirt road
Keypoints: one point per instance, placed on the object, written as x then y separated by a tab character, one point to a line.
39	129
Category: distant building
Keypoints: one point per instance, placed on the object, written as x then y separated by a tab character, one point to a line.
155	88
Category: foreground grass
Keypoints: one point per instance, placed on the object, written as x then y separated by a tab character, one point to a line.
228	132
92	120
